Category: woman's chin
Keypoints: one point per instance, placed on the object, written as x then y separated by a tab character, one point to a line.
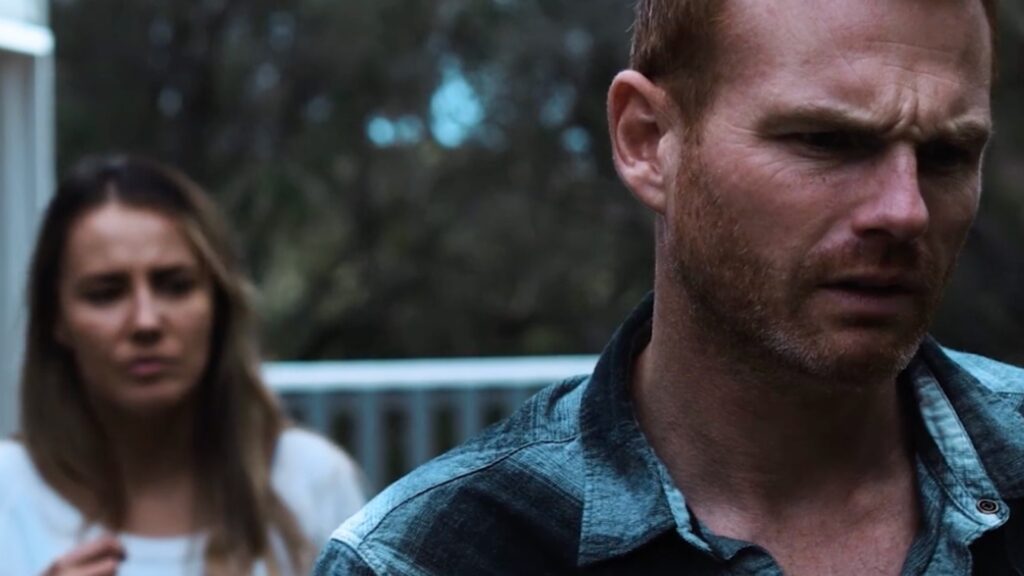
151	399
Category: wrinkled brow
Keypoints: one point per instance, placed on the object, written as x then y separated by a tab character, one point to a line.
968	131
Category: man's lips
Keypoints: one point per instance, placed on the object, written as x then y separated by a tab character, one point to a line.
878	284
874	297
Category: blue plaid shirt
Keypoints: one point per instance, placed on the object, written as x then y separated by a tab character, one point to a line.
569	485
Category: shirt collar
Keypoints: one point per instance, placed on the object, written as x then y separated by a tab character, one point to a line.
624	506
986	398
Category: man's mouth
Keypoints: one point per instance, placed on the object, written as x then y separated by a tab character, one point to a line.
881	284
871	288
874	297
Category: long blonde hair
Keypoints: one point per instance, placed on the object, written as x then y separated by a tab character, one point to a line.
238	421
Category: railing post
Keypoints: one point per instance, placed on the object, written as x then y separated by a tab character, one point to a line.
368	438
420	389
420	435
316	408
470	416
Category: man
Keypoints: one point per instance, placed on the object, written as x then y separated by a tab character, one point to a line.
774	406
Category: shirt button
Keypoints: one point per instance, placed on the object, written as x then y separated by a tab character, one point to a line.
986	506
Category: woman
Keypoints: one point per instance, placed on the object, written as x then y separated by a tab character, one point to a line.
150	445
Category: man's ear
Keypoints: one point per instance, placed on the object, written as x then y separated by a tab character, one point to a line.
640	118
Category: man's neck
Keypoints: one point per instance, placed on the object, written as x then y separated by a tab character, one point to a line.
767	444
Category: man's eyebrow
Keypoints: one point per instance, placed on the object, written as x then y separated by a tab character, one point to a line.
967	130
808	116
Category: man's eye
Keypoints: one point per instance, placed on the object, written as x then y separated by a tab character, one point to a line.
945	157
833	142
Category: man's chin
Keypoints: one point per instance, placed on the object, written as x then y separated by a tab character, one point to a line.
857	357
866	359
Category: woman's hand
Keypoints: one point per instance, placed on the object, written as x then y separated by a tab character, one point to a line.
99	557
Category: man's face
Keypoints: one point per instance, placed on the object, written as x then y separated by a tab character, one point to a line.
837	173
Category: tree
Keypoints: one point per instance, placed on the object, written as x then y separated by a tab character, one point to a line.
432	178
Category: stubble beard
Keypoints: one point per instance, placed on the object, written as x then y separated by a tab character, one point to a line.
750	311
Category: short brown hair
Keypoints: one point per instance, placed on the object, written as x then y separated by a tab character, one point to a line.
675	42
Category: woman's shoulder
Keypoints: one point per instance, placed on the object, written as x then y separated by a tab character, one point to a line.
312	454
320	482
18	475
11	451
15	465
18	525
23	487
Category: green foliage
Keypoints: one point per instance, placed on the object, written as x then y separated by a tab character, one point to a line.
507	234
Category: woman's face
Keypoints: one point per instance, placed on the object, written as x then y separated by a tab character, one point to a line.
136	308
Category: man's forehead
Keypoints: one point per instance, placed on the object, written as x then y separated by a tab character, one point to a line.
794	26
922	63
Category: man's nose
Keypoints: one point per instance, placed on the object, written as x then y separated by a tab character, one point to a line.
894	204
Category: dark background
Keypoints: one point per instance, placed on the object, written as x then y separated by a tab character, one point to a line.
432	177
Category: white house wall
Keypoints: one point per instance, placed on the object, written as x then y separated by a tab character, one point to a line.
26	173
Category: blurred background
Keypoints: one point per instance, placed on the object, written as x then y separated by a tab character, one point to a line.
408	178
432	178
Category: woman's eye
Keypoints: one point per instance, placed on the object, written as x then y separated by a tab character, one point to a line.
177	286
101	295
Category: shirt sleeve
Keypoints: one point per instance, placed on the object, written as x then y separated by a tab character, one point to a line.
340	559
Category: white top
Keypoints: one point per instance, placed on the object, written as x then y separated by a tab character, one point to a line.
319	483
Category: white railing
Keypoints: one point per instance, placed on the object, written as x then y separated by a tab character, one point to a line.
395	415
